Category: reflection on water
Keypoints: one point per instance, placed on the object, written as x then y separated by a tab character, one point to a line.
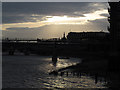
32	72
61	63
54	60
74	82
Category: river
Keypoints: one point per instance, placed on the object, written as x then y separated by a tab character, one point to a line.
33	72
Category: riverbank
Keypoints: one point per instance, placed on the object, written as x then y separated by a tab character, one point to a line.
97	67
89	65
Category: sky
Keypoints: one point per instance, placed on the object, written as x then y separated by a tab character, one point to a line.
44	20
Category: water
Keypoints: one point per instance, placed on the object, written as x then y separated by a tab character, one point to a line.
33	72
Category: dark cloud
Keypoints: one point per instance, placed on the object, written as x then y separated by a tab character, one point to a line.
105	15
14	19
20	18
41	8
101	24
18	28
22	11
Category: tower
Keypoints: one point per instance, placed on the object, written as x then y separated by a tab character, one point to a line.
64	35
64	38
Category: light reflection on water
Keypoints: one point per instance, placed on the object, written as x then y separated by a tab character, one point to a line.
71	82
32	72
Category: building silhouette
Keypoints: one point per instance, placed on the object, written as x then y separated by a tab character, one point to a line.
80	36
114	20
114	29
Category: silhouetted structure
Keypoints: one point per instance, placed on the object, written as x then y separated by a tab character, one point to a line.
63	39
78	36
114	20
114	30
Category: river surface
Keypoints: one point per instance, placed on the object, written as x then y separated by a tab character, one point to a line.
33	72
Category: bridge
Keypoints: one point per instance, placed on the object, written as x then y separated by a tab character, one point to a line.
46	47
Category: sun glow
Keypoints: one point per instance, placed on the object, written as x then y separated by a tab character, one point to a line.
76	20
95	15
65	20
56	18
59	20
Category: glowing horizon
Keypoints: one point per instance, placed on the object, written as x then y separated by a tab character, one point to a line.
59	20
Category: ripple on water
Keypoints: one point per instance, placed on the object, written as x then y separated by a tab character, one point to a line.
29	72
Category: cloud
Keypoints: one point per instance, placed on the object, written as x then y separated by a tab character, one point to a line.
105	15
31	20
49	20
101	24
24	11
18	28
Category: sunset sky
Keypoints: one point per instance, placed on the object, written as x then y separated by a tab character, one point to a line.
51	20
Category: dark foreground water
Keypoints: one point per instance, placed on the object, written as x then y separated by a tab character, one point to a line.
33	72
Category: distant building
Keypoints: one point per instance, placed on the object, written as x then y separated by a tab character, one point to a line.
78	36
38	40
